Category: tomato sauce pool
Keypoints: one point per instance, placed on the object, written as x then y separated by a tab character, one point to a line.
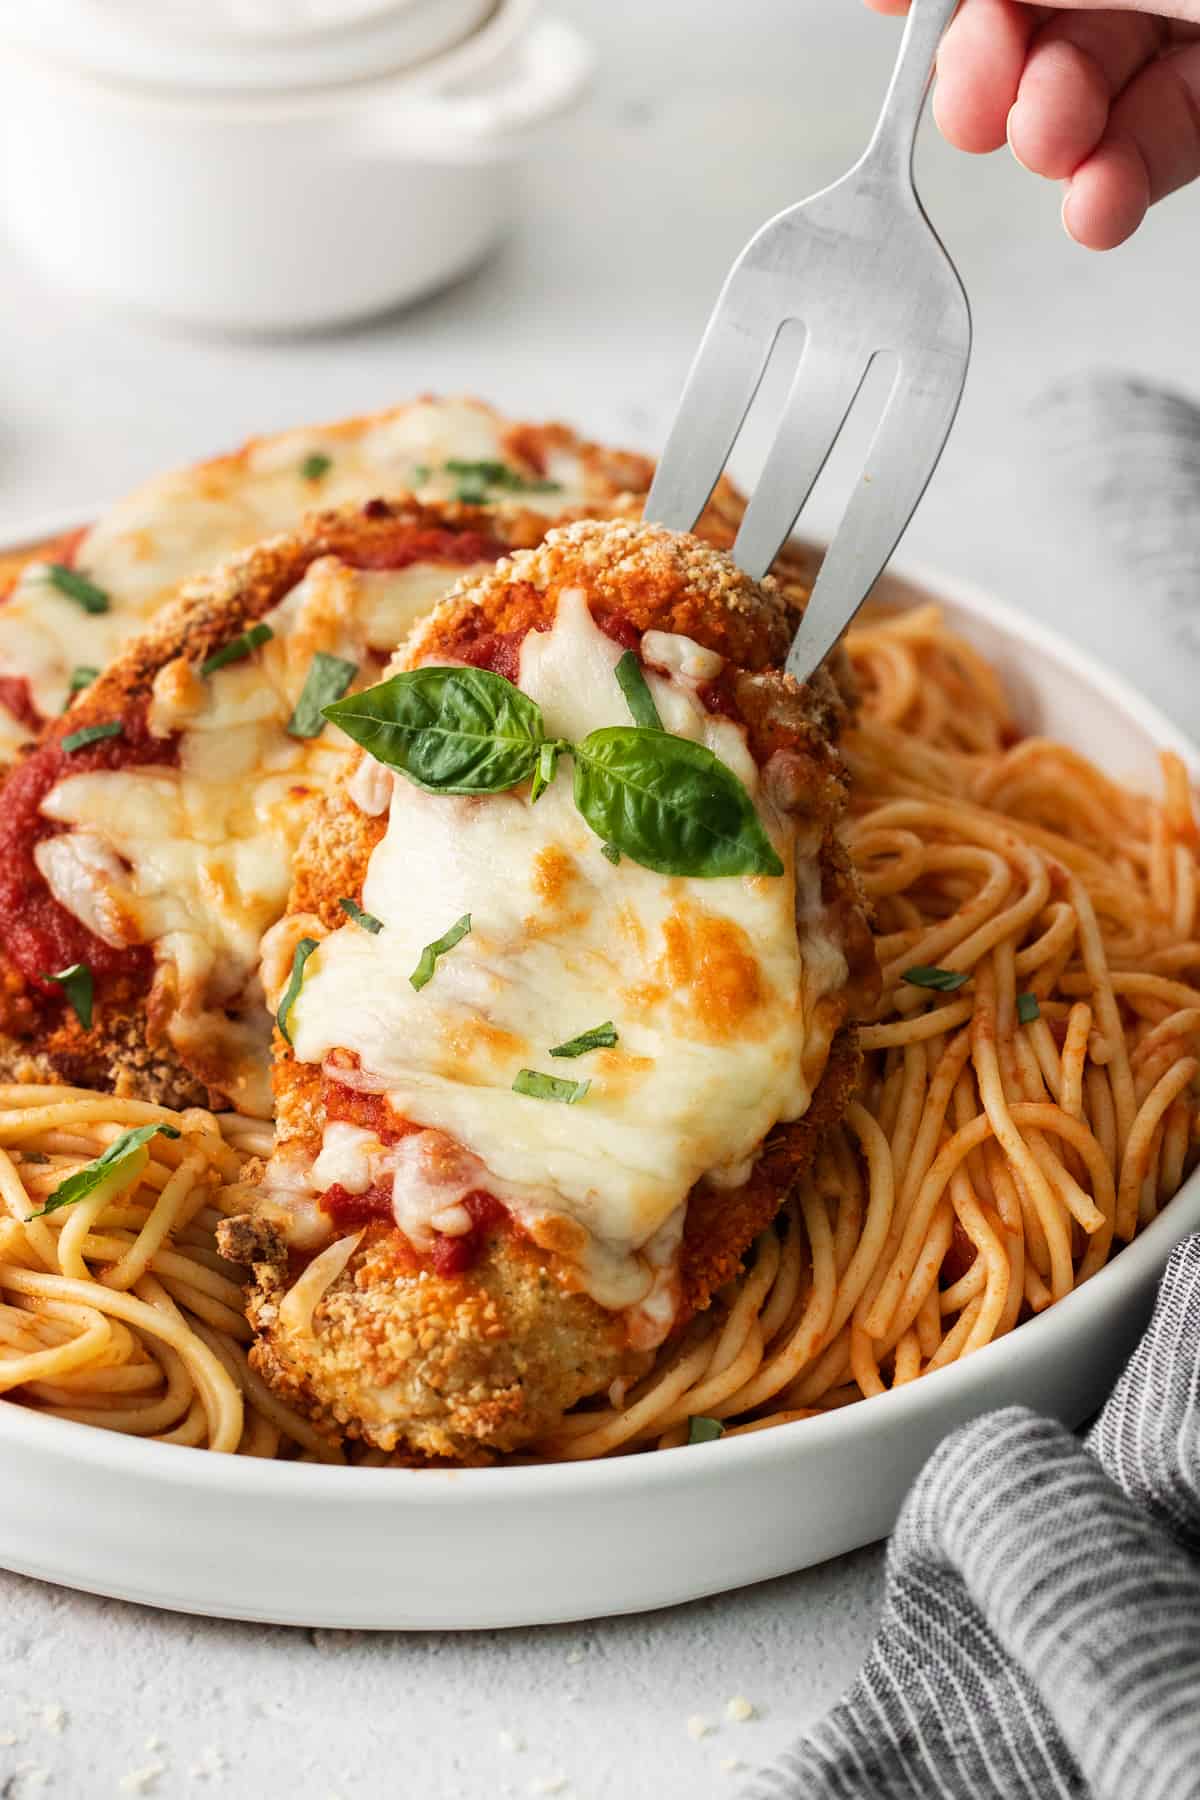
40	936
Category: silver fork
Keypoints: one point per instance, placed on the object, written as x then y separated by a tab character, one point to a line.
861	267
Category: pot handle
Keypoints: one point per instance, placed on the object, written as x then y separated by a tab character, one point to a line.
546	73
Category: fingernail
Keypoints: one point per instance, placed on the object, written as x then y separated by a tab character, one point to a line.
1008	124
1066	201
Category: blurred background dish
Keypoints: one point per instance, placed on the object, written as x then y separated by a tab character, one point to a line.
284	183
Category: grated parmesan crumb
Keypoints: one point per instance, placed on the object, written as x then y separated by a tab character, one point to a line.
731	1765
154	1743
574	1657
698	1726
510	1740
8	1738
143	1780
54	1718
32	1774
548	1784
739	1709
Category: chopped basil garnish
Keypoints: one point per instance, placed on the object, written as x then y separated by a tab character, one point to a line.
236	649
77	587
638	697
354	911
612	853
704	1431
452	731
327	680
475	478
423	973
494	473
1028	1009
316	465
115	1160
600	1037
421	473
91	734
82	676
536	1086
944	981
670	804
76	984
547	767
300	956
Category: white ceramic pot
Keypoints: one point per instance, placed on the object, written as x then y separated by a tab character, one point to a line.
277	207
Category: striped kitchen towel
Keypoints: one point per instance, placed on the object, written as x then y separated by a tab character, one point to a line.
1041	1628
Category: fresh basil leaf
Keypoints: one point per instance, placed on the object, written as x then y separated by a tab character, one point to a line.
82	676
327	680
91	734
354	911
704	1431
300	956
600	1037
423	973
77	587
315	465
452	731
76	984
669	804
942	981
635	688
1028	1009
420	474
236	649
85	1181
536	1086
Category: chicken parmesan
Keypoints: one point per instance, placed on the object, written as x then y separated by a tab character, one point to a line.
146	843
72	607
563	994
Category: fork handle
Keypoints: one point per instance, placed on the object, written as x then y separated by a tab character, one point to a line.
895	134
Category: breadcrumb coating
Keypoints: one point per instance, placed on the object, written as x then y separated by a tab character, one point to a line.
487	1360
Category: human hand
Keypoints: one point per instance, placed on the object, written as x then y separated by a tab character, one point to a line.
1107	101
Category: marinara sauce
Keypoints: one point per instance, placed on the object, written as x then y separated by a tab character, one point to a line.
40	936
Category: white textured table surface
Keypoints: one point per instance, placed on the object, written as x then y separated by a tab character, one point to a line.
706	119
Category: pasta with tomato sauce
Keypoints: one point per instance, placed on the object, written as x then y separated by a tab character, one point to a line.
1026	1103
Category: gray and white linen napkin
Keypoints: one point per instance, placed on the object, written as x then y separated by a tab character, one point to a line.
1041	1631
1040	1637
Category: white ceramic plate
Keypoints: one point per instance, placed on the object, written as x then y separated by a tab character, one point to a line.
376	1548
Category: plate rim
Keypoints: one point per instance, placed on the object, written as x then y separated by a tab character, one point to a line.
257	1478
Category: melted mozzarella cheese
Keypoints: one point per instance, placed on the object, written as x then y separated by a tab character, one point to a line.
706	982
185	523
196	860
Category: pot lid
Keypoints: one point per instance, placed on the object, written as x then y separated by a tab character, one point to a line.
242	45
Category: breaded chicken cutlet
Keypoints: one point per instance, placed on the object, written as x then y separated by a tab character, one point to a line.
73	605
141	862
146	843
564	989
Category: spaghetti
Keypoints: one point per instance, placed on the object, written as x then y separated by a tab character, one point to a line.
1029	1100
